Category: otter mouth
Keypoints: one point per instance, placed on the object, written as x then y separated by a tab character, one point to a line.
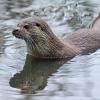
17	34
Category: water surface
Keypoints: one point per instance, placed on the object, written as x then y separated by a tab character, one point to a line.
23	78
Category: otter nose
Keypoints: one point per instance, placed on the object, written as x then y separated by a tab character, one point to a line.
15	30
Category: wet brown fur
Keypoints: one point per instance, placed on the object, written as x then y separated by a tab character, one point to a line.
47	45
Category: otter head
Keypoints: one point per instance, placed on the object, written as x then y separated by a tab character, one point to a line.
40	40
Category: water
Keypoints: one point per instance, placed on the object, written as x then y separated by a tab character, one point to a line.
23	78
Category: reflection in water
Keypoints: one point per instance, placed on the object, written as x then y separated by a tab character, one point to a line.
34	74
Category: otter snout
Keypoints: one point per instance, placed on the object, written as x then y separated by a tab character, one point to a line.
16	33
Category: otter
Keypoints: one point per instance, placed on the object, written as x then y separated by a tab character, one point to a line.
42	43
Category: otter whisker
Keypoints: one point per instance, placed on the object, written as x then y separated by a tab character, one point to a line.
30	43
39	45
33	43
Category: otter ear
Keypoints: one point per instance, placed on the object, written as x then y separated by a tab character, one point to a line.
37	24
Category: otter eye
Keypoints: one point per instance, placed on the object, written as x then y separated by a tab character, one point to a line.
26	26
